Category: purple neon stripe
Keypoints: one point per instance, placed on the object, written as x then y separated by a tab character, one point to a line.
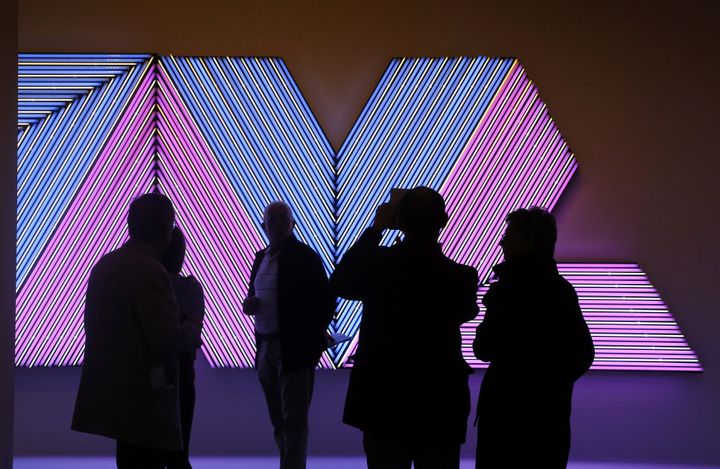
196	209
71	270
61	260
52	249
73	303
199	183
196	231
72	240
475	166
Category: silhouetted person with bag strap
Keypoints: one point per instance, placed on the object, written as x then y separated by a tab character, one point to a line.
538	344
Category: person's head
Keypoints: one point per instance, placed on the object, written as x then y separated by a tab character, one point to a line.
150	220
278	222
529	231
421	213
174	255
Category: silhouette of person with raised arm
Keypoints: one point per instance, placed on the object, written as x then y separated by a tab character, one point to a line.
292	305
538	344
191	302
133	334
408	390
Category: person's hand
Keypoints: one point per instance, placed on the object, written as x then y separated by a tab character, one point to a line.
251	305
384	215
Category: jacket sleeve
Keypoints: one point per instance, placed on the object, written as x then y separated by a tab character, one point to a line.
324	301
158	314
253	273
354	273
581	351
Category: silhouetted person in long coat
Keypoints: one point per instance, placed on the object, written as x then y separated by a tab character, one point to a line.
133	335
408	390
538	345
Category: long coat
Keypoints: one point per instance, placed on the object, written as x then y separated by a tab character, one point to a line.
538	344
132	331
305	305
409	379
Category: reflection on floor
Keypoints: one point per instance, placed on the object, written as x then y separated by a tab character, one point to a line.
271	463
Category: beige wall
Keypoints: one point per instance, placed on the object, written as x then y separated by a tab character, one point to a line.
633	87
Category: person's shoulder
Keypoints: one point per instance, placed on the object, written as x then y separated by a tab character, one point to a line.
565	286
302	249
461	269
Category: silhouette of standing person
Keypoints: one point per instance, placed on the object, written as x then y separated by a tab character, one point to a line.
538	344
133	335
291	302
412	410
191	302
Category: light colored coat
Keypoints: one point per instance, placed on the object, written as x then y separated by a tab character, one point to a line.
132	329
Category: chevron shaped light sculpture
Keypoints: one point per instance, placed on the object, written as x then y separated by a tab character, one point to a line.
224	136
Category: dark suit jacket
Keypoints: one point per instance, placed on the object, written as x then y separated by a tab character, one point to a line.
409	379
132	329
537	342
305	305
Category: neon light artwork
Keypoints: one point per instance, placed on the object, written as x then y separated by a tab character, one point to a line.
224	136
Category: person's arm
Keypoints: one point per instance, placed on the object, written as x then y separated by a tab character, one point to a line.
467	307
251	304
318	284
158	314
355	270
194	299
353	275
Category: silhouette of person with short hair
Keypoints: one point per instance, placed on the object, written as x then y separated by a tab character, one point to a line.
538	344
132	333
290	300
191	301
408	390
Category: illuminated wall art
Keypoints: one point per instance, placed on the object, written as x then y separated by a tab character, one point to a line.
235	135
224	136
85	149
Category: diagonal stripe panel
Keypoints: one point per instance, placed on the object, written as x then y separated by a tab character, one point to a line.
515	158
55	153
258	126
221	238
631	326
412	131
264	139
49	305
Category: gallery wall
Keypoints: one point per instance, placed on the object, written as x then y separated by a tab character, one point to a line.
8	94
633	89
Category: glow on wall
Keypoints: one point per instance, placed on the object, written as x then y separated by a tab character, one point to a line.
224	136
631	326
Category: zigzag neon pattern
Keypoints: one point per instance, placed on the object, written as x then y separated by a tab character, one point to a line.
221	239
259	143
49	304
225	136
67	106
